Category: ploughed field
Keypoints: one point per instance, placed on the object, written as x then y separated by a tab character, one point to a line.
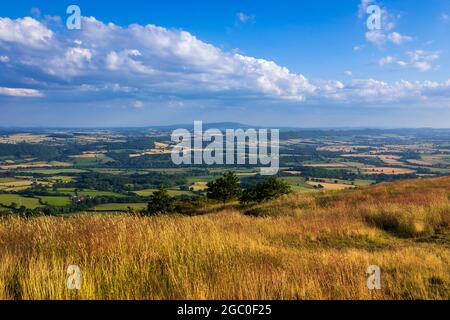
309	245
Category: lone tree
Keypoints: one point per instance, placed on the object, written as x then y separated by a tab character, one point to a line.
269	189
225	188
160	203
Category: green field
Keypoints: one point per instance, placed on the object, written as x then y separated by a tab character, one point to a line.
90	162
88	192
63	179
120	206
7	180
296	183
86	162
357	182
118	171
55	201
70	191
172	192
96	193
169	170
192	180
8	199
52	171
360	182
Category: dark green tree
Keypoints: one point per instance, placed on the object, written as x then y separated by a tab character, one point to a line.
225	188
161	203
271	188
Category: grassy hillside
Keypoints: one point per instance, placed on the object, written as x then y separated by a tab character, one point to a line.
309	245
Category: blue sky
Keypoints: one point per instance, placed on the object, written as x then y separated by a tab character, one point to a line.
287	63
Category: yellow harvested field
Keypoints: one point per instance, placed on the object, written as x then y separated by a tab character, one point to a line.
86	156
390	159
199	186
436	159
387	170
331	186
26	165
24	137
35	165
151	152
419	162
295	173
160	145
386	158
13	184
342	148
291	142
20	185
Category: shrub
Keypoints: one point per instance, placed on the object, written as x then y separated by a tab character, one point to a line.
269	189
160	203
225	188
406	221
190	206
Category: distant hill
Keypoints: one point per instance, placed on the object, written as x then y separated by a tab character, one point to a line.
206	126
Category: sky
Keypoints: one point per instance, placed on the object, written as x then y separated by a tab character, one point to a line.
262	62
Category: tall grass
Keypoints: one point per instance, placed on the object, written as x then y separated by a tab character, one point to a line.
305	246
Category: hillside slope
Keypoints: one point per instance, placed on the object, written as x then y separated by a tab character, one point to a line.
305	246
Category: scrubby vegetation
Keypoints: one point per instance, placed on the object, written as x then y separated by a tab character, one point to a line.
225	189
306	245
270	189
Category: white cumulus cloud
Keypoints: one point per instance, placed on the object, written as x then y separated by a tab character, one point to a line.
26	31
418	59
397	38
140	64
20	92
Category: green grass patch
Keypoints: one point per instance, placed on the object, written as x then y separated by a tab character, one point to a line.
63	179
118	171
8	199
7	180
91	162
169	170
52	171
120	206
97	193
55	201
70	191
296	183
172	192
192	180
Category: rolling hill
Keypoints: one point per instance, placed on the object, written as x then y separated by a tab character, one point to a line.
309	245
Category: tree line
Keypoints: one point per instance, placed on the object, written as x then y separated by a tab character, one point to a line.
223	190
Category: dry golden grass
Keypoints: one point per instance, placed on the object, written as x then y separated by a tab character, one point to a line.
387	170
36	165
305	246
330	186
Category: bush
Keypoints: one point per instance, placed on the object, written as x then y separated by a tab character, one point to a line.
406	221
225	188
269	189
190	206
161	203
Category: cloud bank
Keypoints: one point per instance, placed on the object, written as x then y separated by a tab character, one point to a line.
140	63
